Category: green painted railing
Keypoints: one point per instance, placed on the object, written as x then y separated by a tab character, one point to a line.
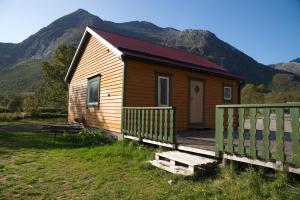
153	123
230	122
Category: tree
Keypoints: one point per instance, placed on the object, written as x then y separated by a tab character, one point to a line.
15	103
284	83
53	91
283	89
252	94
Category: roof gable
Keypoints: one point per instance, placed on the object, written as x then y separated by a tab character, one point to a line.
88	32
127	46
127	43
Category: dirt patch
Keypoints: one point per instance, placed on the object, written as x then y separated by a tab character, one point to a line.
22	127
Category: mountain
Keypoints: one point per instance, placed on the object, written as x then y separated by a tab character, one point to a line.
292	66
24	58
297	60
68	30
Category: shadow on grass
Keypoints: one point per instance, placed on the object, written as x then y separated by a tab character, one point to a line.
35	138
210	171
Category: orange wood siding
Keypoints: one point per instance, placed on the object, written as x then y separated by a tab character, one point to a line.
140	90
97	59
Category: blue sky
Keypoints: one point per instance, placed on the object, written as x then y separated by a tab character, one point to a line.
267	30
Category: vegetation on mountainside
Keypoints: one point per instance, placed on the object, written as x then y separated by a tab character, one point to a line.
51	92
23	77
282	89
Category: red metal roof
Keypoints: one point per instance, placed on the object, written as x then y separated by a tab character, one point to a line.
147	50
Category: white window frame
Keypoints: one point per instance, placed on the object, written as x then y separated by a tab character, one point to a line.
230	97
159	90
96	103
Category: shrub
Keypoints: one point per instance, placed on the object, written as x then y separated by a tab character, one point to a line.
91	136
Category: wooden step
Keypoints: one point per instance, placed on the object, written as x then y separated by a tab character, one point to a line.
185	158
180	163
178	170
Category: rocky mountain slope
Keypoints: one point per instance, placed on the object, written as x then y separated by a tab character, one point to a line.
292	66
16	58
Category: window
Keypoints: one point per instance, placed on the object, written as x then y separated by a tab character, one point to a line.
93	91
227	93
163	90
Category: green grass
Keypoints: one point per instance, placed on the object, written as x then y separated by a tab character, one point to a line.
31	168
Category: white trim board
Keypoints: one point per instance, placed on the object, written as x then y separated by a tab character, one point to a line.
76	54
105	42
272	165
131	137
196	150
149	141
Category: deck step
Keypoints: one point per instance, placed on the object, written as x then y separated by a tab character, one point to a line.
180	163
179	170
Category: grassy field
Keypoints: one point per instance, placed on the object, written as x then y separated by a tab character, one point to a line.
31	168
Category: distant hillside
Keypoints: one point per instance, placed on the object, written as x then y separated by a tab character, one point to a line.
25	76
292	66
23	58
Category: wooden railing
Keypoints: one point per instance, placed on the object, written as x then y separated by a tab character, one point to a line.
153	123
233	138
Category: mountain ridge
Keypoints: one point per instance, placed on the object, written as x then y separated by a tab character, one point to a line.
69	29
292	66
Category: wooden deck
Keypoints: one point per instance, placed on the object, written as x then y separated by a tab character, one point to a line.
259	134
205	140
202	142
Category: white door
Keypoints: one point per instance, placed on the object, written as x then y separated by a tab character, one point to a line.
196	102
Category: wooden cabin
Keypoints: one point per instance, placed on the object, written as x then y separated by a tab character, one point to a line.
168	97
110	71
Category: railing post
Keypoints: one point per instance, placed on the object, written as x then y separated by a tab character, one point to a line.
229	146
128	121
143	124
165	137
131	124
160	137
135	119
241	146
219	132
155	124
266	134
253	119
172	139
174	129
295	135
146	133
151	124
139	124
124	121
280	135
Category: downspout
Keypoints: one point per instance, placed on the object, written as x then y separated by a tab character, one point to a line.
123	93
68	96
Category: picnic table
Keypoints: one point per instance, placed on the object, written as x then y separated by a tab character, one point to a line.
55	129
